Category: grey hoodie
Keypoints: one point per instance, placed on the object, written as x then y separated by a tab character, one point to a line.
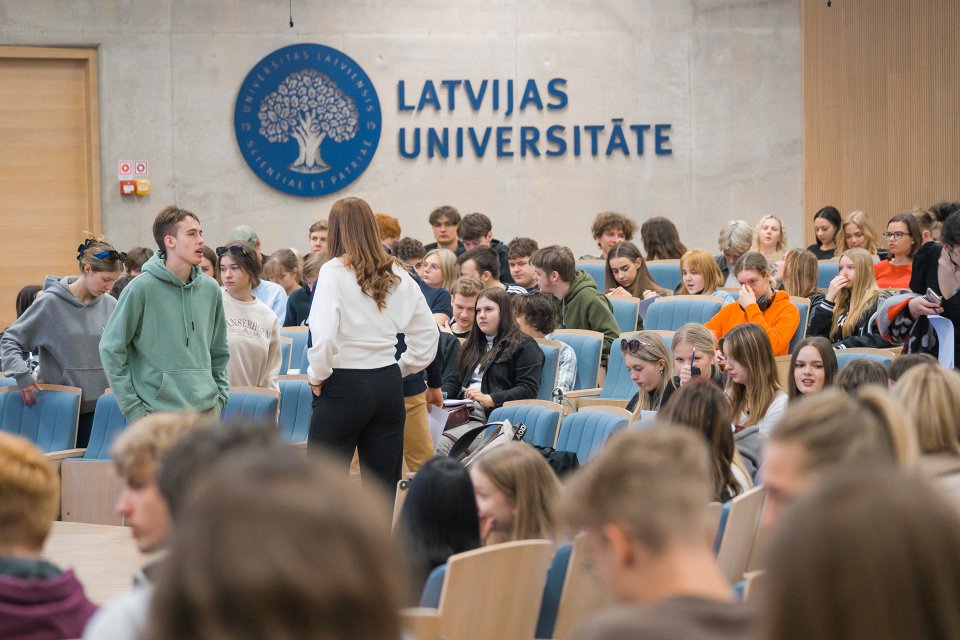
67	334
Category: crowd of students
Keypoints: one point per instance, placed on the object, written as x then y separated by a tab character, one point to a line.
287	546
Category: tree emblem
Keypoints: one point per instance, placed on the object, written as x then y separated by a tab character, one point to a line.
308	106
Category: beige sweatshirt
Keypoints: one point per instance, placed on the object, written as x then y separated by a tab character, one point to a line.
253	334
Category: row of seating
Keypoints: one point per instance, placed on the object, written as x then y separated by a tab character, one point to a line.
666	273
539	593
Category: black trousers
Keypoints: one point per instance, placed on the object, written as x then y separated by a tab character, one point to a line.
362	409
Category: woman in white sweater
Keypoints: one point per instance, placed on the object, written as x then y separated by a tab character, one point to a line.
253	332
363	299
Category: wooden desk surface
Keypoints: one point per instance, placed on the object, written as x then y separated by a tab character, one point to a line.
103	556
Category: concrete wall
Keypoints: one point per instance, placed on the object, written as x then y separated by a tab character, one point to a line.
725	73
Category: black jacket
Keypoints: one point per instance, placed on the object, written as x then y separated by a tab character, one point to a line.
862	335
507	378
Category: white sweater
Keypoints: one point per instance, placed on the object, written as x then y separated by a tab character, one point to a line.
253	334
350	332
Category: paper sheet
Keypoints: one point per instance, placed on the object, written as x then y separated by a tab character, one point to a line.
437	420
457	403
645	304
945	338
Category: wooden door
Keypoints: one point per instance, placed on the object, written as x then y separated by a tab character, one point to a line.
49	164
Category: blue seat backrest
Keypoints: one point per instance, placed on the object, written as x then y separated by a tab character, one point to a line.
548	374
256	406
108	422
625	311
285	349
665	274
597	271
296	408
541	422
801	331
826	271
8	382
721	527
430	596
617	385
556	576
670	314
584	433
50	423
588	350
298	352
844	358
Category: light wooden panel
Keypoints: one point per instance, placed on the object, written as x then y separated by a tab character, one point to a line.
49	164
881	98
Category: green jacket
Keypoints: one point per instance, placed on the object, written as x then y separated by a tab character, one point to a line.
165	346
586	308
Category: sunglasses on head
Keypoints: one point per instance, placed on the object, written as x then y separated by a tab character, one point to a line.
234	249
633	345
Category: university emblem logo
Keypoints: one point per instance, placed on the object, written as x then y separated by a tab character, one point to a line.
307	120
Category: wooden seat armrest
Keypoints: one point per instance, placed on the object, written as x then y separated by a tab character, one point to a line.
67	453
583	393
421	623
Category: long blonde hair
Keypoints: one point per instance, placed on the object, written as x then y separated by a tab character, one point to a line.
529	484
860	219
650	348
859	298
448	266
353	236
749	344
781	243
705	265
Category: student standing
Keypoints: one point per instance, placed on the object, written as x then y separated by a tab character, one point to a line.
165	347
65	325
367	299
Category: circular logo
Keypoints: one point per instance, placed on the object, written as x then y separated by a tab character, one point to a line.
307	120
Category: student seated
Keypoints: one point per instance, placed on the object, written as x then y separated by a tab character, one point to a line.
318	236
608	229
482	263
269	293
734	241
694	357
517	494
580	305
770	238
813	368
498	363
135	260
648	360
661	240
519	252
298	302
642	504
439	516
463	299
705	408
285	268
903	241
844	315
753	385
38	601
627	274
860	372
869	555
287	547
797	274
826	227
700	276
476	230
440	269
535	317
389	229
444	221
899	366
858	233
137	454
758	304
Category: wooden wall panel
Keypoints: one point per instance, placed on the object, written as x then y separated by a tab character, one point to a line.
49	164
881	105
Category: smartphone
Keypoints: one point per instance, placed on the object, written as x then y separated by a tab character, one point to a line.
694	369
694	372
931	296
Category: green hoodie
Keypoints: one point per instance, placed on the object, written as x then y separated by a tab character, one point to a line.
165	346
586	308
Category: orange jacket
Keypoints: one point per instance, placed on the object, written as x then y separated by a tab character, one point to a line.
780	320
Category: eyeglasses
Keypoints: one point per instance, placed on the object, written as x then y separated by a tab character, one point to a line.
896	235
234	249
633	345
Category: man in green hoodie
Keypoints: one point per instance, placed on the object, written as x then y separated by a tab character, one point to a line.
165	346
579	304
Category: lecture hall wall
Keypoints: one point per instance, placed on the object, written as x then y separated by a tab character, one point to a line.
725	75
